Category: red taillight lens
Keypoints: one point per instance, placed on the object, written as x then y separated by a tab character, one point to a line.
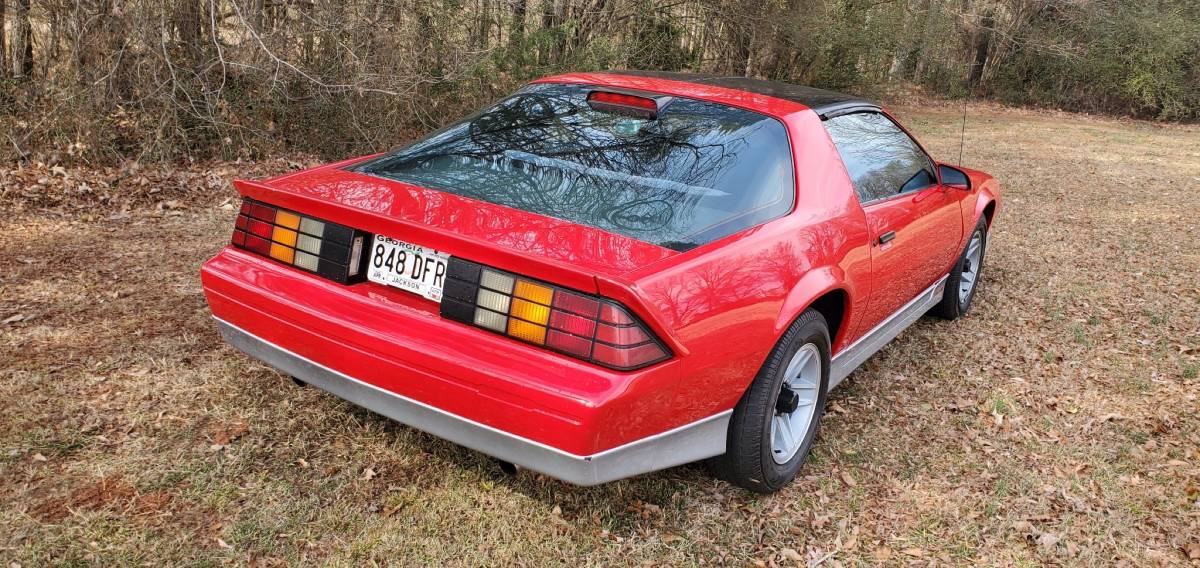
621	335
582	326
621	103
624	357
328	249
573	324
575	345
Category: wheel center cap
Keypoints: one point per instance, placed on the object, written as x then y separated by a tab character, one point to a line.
787	402
967	265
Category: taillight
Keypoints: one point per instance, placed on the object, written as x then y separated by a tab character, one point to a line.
327	249
586	327
621	103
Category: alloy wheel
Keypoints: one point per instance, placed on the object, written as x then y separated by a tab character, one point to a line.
796	404
971	264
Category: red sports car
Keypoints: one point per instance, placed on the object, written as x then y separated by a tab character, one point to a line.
607	274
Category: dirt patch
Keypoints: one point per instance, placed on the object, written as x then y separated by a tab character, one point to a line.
222	433
108	492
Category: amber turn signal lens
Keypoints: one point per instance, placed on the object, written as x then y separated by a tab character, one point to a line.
530	311
526	331
330	250
585	327
533	292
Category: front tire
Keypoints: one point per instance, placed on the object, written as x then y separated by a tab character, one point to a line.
964	278
776	421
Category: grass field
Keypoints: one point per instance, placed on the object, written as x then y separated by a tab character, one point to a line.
1058	424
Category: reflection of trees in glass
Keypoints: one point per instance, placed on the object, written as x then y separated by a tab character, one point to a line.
698	172
542	236
880	157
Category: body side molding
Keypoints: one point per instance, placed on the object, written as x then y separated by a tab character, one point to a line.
848	359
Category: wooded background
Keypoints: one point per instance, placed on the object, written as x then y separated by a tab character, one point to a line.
103	80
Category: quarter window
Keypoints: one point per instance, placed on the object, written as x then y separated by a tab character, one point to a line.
882	160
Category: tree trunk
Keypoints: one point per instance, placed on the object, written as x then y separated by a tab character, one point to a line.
983	44
257	7
431	51
516	33
188	29
739	30
22	40
3	43
483	27
545	51
587	21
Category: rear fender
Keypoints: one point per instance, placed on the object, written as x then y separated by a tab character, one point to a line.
631	297
814	284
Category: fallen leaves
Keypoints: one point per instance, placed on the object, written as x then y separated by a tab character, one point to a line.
166	187
389	511
90	497
848	479
224	433
1047	543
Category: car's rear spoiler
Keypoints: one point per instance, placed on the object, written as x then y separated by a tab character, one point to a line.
455	244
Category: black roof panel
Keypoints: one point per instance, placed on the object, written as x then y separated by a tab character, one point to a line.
822	101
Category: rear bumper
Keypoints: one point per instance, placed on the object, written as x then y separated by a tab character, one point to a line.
389	352
685	444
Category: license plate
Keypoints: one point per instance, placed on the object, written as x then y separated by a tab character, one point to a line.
407	266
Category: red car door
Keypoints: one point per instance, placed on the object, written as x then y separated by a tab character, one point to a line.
914	223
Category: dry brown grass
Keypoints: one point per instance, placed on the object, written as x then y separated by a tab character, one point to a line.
1058	424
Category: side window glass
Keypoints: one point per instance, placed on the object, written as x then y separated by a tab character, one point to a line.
882	160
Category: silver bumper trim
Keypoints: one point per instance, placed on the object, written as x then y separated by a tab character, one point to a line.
688	443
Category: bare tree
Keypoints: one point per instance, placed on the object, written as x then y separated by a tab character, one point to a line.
172	78
516	31
3	42
22	40
983	44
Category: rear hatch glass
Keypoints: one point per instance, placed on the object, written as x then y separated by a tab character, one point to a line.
697	172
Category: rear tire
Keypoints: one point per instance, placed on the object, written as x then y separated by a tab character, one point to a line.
766	447
964	278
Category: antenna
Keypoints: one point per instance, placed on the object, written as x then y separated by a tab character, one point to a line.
962	135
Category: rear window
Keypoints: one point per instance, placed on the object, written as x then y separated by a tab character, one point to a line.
698	172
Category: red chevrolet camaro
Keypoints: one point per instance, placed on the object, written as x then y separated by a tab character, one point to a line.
607	274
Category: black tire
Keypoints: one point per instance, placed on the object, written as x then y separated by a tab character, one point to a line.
954	303
748	461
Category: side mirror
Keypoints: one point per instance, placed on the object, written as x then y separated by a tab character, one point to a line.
954	177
